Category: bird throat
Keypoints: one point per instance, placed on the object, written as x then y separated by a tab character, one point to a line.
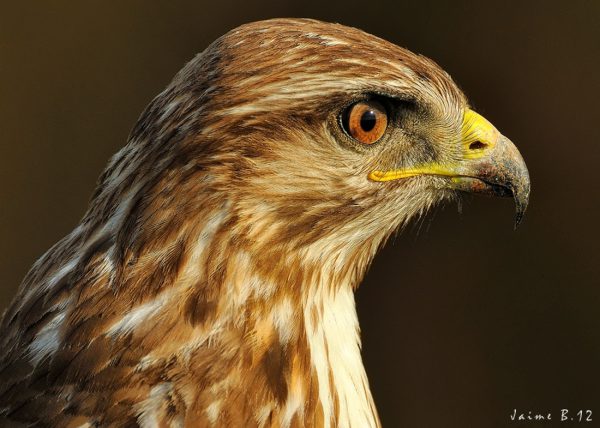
279	334
296	352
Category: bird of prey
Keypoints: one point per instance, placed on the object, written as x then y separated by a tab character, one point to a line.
211	280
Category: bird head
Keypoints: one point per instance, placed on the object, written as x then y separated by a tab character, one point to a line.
312	137
331	130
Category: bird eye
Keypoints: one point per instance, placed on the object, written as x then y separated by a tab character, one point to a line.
365	121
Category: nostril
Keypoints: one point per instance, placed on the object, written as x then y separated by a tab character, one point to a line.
477	145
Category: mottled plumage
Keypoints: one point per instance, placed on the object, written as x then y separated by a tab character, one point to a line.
211	281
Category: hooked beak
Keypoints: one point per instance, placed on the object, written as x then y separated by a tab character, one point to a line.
490	164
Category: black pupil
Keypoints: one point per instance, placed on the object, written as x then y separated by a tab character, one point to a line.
368	120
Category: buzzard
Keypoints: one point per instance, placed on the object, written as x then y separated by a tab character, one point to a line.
211	281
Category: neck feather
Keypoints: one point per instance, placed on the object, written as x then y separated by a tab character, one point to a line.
225	333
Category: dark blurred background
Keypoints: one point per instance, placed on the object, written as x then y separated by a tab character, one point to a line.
463	319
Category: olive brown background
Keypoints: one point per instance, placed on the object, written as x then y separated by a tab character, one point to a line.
463	319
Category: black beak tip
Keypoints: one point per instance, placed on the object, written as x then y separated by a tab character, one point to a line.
519	218
521	201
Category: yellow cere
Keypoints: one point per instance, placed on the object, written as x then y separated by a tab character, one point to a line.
477	130
477	137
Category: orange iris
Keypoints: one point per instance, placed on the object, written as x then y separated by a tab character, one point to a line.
367	121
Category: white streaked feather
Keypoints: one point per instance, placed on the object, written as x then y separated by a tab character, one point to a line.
48	339
140	314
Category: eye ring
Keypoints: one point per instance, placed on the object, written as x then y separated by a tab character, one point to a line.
365	121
